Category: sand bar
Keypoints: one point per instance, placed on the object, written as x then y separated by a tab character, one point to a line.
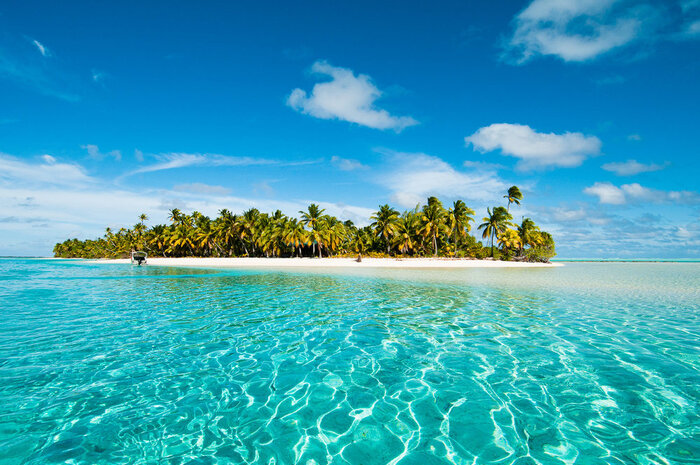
245	262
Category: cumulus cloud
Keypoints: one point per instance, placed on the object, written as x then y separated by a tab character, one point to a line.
583	30
94	153
573	30
346	164
608	193
415	176
632	167
535	150
346	97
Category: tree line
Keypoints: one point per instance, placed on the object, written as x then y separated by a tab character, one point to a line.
430	230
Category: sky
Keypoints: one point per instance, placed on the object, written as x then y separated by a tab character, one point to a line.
590	107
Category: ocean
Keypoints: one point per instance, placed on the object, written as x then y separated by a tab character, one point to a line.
588	363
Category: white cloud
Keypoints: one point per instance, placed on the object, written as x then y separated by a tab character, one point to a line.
201	188
51	172
346	97
608	193
346	164
534	149
48	159
42	49
45	201
415	176
632	167
94	152
574	30
634	137
169	161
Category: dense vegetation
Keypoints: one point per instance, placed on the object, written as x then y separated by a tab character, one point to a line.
430	230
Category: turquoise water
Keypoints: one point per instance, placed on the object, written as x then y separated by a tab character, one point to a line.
590	363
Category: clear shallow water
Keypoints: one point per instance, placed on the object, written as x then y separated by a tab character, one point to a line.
589	363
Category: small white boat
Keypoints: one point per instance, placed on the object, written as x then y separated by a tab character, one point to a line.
138	258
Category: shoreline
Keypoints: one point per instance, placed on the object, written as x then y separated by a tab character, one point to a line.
259	262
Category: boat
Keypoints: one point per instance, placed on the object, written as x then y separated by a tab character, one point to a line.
138	258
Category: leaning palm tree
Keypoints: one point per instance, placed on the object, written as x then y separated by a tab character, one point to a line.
495	223
514	196
384	224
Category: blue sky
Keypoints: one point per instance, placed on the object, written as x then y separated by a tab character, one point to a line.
589	106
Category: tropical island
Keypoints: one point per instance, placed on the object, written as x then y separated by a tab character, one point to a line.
428	231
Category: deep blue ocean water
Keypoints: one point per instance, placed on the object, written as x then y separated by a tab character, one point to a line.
590	363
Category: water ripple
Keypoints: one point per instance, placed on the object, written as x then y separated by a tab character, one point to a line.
112	364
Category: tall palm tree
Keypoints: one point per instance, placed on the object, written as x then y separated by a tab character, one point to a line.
312	218
514	196
495	223
384	224
434	219
175	215
459	217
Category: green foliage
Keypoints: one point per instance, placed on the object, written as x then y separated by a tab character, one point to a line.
423	231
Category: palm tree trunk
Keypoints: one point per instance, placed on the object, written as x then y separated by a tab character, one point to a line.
435	244
319	250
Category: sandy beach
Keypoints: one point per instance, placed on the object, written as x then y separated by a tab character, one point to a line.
245	262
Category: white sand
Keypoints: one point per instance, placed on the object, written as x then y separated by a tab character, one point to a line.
243	262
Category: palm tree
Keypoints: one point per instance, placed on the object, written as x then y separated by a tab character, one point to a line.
157	240
295	235
175	215
143	217
181	239
248	227
406	231
514	196
311	218
509	239
434	221
529	234
459	217
495	223
384	224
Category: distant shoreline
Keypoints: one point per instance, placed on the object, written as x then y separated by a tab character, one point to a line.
246	262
